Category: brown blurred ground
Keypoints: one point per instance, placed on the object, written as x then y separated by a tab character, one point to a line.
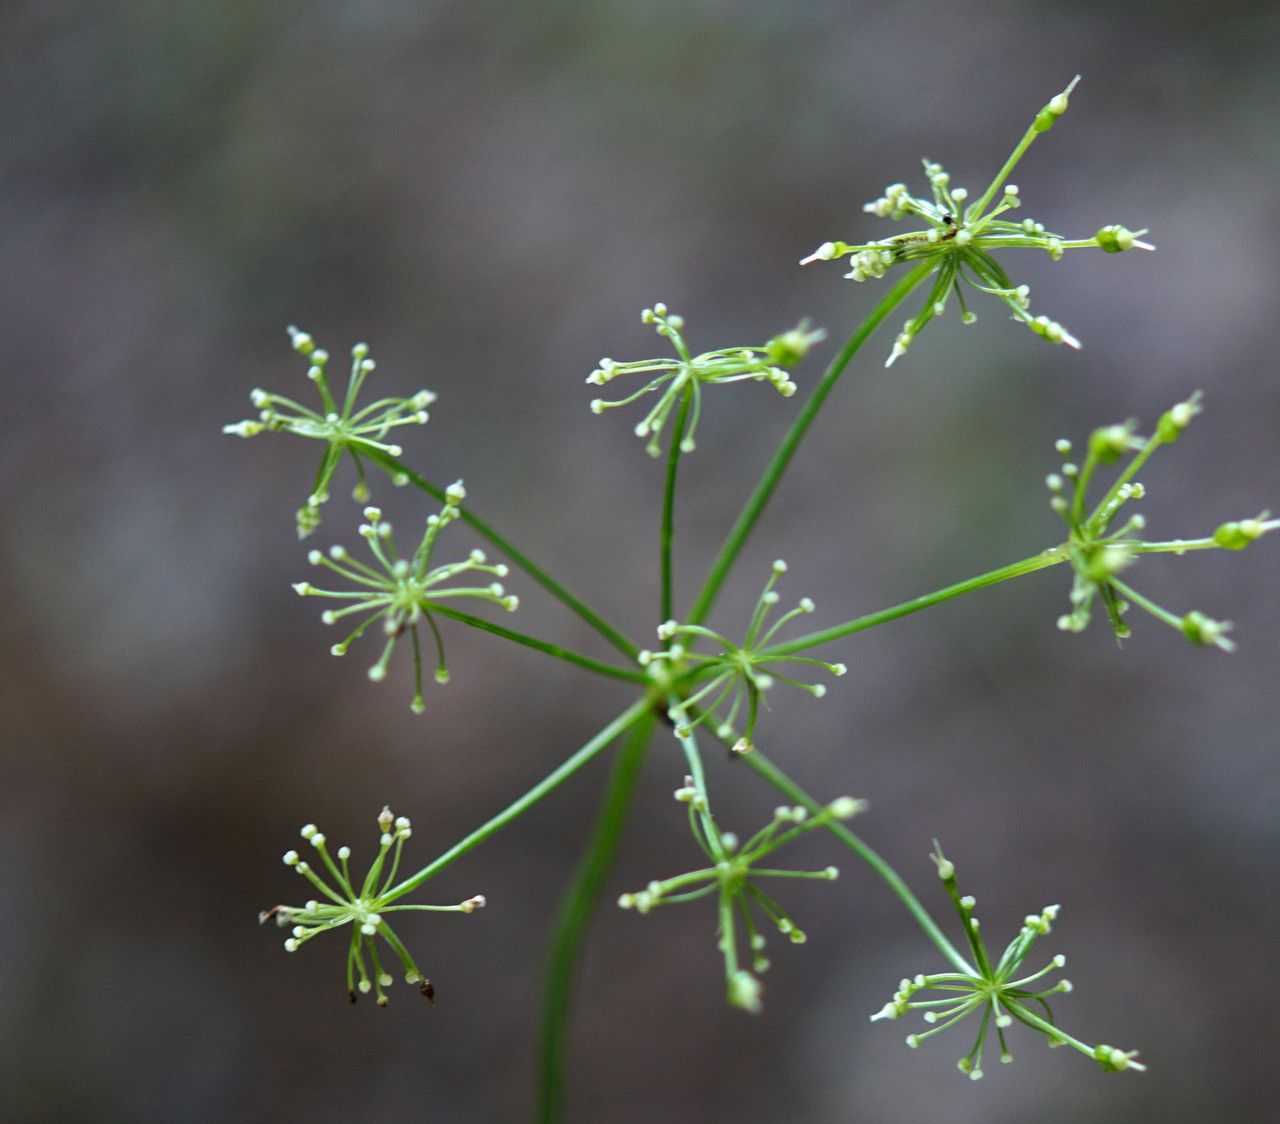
489	193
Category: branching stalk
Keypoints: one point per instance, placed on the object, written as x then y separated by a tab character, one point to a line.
517	558
776	777
669	502
1051	557
782	458
631	674
634	713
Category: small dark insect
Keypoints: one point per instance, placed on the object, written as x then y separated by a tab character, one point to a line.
428	989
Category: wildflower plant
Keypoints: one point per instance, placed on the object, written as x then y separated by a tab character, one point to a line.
703	683
989	990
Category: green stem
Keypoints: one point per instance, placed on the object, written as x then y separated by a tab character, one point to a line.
1130	471
631	674
1050	557
553	587
1174	546
576	910
1151	607
1003	174
669	501
552	780
690	747
785	784
1053	1032
782	458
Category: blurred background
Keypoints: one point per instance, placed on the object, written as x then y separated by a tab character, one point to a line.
488	193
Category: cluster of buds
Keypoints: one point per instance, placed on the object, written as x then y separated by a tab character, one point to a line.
680	380
990	990
403	592
1099	550
958	238
341	426
737	676
364	908
732	878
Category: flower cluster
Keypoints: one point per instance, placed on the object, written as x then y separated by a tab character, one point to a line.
738	673
733	878
991	991
341	427
1099	551
363	909
958	241
404	592
681	379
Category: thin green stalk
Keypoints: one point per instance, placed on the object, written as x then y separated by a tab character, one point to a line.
1174	546
782	458
1151	607
669	500
539	575
1027	138
1050	557
576	910
785	784
551	781
631	674
1130	471
694	759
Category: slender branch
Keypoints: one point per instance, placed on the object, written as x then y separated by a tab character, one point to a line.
782	458
1174	546
394	467
552	780
1027	138
576	910
1151	607
669	500
1129	472
785	784
631	674
1039	561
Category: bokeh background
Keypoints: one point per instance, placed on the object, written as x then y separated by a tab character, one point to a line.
489	193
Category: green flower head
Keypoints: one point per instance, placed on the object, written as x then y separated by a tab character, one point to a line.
734	878
959	239
1100	548
342	427
364	909
994	991
730	683
404	592
679	381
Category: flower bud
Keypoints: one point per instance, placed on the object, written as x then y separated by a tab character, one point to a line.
1240	533
1200	629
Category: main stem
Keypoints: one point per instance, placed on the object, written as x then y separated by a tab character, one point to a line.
782	458
576	911
669	501
552	780
785	784
537	573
